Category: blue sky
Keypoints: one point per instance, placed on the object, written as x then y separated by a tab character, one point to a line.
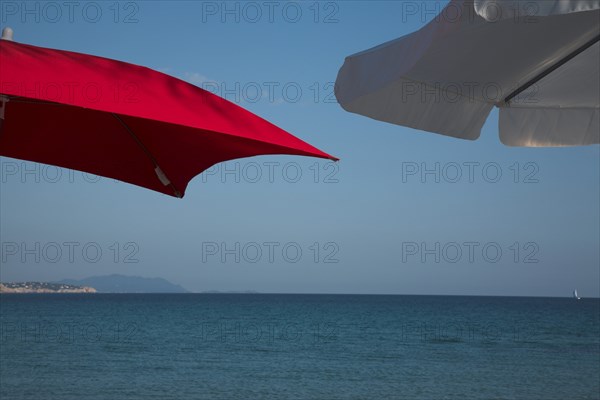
525	222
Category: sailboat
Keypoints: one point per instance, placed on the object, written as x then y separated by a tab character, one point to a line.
575	295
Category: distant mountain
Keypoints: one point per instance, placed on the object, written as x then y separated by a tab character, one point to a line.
126	284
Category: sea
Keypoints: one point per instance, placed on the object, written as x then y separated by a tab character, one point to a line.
284	346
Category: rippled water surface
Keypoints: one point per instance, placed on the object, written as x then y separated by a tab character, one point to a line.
258	346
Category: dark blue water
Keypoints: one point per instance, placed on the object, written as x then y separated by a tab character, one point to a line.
221	346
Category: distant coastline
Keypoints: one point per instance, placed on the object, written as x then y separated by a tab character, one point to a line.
96	284
43	287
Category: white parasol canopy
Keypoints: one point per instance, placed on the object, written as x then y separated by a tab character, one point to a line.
537	60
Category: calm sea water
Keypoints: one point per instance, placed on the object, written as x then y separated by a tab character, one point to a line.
254	346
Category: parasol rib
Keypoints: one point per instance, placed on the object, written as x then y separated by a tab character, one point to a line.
162	177
552	68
